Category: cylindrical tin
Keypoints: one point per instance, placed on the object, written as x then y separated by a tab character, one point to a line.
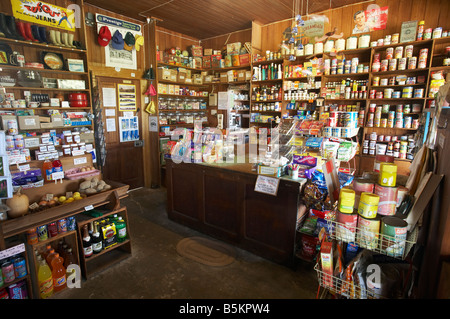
401	193
409	51
392	64
42	233
346	227
398	52
369	232
368	205
52	229
388	199
402	63
407	92
346	200
412	62
393	233
32	236
20	267
384	65
359	186
389	53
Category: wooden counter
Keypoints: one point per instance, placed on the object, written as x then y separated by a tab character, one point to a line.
219	200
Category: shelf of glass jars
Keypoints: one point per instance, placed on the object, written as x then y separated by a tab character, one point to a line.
42	45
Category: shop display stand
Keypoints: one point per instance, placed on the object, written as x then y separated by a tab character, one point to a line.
108	256
69	237
16	249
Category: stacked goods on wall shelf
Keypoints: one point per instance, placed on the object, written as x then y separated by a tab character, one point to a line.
15	279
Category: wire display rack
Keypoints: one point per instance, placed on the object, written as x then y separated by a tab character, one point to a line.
396	247
342	287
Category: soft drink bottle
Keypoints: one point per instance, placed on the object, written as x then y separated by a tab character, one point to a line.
50	257
58	273
45	280
47	169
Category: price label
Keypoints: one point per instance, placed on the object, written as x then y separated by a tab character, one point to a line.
79	161
24	168
90	207
57	175
267	185
12	251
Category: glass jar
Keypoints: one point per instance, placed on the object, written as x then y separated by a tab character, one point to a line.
163	119
67	151
76	137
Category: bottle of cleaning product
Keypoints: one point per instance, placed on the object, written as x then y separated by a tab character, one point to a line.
58	273
45	280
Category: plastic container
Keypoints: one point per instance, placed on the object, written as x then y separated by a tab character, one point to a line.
388	175
368	205
346	200
58	273
50	257
45	280
47	170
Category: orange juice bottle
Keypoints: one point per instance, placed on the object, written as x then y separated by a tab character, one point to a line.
58	273
50	257
45	279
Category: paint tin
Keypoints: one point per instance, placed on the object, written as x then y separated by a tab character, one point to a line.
368	232
389	53
368	205
393	233
346	200
409	51
359	186
412	62
388	199
402	63
398	52
346	226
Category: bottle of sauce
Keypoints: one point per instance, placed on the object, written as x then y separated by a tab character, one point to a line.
47	169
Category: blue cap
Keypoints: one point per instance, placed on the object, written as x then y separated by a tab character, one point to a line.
117	41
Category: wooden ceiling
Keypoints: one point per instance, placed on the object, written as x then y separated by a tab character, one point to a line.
203	19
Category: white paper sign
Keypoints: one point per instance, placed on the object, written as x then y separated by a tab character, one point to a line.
267	185
110	125
80	160
109	97
110	112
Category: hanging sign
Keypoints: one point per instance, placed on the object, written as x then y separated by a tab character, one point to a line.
40	12
313	29
117	23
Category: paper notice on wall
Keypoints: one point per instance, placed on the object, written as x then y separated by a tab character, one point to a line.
109	97
222	100
110	112
111	125
267	185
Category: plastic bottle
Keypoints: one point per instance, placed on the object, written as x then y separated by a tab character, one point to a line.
50	257
121	228
69	260
58	273
45	280
47	169
420	30
46	252
57	166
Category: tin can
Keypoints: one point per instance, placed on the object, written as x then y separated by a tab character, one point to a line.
392	64
395	38
407	109
62	225
369	230
376	81
398	52
32	236
389	53
427	34
407	93
384	65
422	63
380	138
409	51
388	93
8	272
71	223
402	63
372	94
388	199
380	42
415	124
42	233
52	229
396	94
391	114
368	205
376	66
379	95
423	53
383	122
346	227
387	39
385	108
407	122
412	62
20	267
393	233
418	93
437	33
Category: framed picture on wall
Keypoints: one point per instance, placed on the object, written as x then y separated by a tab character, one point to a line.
127	97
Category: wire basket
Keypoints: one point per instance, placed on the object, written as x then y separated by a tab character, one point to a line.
342	287
395	247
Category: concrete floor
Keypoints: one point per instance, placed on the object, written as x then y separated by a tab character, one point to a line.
156	271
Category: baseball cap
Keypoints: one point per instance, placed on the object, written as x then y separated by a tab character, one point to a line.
139	41
129	41
117	41
104	36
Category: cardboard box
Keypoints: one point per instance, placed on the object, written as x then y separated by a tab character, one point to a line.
44	119
241	75
173	75
223	77
5	119
171	89
29	122
46	125
326	259
197	62
206	62
215	61
87	137
163	74
244	59
57	120
248	75
30	142
198	79
162	88
181	77
209	78
235	60
230	76
207	52
270	171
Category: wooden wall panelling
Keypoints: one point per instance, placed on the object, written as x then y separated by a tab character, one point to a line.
166	39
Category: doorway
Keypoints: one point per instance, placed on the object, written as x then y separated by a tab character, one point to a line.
122	122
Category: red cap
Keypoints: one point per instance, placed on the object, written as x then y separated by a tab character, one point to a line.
104	36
